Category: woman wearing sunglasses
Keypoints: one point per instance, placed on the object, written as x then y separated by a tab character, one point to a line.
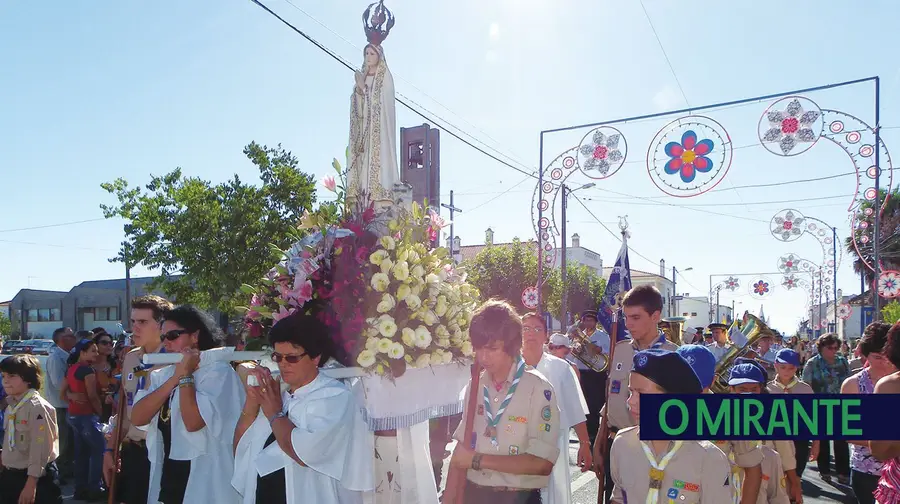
310	442
189	412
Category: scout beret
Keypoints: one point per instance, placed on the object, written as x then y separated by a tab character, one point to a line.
701	360
667	367
788	356
747	371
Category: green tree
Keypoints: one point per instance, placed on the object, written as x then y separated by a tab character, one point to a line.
585	289
216	237
891	312
5	325
889	232
505	271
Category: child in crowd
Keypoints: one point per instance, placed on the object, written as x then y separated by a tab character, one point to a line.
31	440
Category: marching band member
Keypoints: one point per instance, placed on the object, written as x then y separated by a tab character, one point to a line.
593	383
746	457
133	478
787	362
719	344
517	420
31	438
749	377
682	471
865	470
572	407
309	442
642	308
189	412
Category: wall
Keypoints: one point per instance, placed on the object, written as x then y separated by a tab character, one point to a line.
580	255
700	306
41	330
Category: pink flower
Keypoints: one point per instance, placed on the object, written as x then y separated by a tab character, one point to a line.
329	183
282	313
437	222
301	293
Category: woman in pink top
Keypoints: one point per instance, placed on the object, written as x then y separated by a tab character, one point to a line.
888	491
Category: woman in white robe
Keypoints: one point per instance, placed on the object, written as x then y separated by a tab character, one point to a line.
308	443
189	412
372	153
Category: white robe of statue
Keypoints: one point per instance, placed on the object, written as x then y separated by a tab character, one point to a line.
372	153
573	410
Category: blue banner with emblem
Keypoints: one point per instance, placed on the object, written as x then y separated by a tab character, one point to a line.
618	284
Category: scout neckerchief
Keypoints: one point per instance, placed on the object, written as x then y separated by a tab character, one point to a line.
658	469
11	416
494	418
787	387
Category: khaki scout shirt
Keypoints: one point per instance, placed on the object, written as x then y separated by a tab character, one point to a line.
37	438
800	387
619	379
697	474
786	451
133	376
530	425
773	489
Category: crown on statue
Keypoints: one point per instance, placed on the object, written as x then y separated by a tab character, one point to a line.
378	21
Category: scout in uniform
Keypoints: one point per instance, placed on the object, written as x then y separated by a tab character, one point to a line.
720	344
31	439
516	422
749	377
746	457
133	482
787	363
655	472
642	308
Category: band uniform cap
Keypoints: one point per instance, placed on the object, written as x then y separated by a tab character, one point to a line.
667	369
560	339
717	326
702	361
589	313
747	371
788	356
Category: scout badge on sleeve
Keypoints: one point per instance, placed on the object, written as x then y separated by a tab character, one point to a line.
494	418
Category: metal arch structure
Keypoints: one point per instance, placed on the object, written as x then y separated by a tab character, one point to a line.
542	204
789	225
733	282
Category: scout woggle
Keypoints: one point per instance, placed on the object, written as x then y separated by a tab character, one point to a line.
494	419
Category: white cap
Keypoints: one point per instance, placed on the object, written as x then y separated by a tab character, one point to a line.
560	339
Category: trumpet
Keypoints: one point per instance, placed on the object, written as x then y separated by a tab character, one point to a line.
587	352
754	329
673	328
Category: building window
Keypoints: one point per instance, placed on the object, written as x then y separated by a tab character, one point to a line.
106	313
32	315
693	314
44	315
685	314
55	314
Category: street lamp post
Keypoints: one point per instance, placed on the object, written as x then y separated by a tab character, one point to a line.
564	309
675	292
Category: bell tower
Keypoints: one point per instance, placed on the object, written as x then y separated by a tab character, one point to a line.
420	163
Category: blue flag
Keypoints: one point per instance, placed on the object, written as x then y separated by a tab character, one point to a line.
619	283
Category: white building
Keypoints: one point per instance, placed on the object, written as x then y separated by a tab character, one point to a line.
847	329
696	309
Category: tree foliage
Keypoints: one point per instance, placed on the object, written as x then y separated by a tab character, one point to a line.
891	312
505	271
889	232
5	325
216	237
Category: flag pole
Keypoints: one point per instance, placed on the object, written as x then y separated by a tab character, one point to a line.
602	439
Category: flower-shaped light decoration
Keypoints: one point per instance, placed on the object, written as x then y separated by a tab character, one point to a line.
889	284
787	225
791	126
760	288
530	298
732	283
689	156
602	152
788	264
844	311
789	282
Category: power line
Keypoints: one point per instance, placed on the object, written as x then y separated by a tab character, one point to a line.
665	55
499	195
614	235
45	226
56	245
838	196
403	101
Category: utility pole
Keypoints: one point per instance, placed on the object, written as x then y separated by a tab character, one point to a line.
717	306
453	210
564	307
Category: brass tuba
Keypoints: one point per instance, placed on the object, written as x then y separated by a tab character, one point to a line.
588	353
673	328
757	330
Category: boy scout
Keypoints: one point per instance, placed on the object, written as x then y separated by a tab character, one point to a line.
31	440
642	307
749	377
746	457
787	362
653	472
773	489
516	422
133	482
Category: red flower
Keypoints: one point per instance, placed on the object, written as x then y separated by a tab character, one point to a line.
369	215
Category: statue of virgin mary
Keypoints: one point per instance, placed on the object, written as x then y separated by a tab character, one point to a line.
372	154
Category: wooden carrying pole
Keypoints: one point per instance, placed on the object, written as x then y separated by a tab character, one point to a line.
603	432
456	478
117	442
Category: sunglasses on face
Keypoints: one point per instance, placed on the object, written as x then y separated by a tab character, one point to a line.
174	334
289	358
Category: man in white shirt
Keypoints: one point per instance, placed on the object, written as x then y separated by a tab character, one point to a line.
57	366
719	345
571	402
593	384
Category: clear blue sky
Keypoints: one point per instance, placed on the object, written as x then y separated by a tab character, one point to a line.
97	90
